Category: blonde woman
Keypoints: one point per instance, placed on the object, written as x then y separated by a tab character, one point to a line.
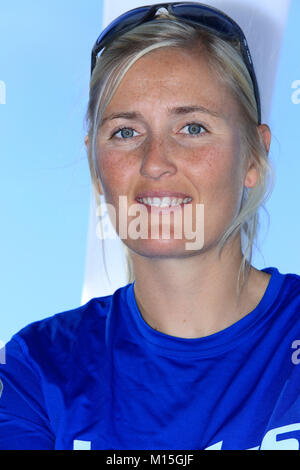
199	350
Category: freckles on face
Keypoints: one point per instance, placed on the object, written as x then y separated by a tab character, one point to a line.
160	96
205	167
216	172
116	171
217	163
223	185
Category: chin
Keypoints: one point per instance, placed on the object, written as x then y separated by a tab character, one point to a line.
160	248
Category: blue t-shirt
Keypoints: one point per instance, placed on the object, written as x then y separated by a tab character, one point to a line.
99	377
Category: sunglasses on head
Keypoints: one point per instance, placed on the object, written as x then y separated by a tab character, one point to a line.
207	17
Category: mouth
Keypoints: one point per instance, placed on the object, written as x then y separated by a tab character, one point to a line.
164	202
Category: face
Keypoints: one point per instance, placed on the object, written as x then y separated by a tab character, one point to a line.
171	130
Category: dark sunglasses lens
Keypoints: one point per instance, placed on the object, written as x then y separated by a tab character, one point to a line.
122	23
208	18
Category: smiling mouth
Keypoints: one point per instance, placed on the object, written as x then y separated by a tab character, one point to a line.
164	202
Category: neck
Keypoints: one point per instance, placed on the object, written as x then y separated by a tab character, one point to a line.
195	296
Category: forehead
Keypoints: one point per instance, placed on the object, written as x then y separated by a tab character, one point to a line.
173	75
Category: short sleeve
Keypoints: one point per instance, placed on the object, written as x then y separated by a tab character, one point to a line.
24	424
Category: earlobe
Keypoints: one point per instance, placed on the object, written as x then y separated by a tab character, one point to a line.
251	177
86	141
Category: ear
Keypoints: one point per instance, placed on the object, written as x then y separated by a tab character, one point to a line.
100	189
252	173
266	135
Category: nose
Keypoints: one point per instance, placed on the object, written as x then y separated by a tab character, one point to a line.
156	161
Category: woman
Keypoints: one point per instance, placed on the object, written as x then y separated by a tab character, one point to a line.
198	351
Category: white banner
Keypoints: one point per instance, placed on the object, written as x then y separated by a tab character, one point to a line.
263	23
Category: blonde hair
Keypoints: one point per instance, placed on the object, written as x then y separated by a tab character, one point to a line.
226	60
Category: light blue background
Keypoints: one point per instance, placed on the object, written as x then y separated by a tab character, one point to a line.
45	185
45	48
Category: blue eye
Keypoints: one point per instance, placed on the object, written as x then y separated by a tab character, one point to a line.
194	129
125	133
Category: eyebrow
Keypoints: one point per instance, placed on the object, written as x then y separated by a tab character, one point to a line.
181	110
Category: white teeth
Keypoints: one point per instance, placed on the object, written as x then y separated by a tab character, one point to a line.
165	201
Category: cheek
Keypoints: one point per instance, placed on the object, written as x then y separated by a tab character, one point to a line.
115	170
211	164
219	185
217	171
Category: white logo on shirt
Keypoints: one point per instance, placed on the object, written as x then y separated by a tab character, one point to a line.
270	441
81	445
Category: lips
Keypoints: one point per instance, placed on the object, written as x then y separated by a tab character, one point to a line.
162	194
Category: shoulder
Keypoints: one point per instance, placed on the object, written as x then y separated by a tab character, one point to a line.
291	286
283	287
68	323
283	297
69	333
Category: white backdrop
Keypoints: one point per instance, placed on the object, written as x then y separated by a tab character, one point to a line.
264	24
